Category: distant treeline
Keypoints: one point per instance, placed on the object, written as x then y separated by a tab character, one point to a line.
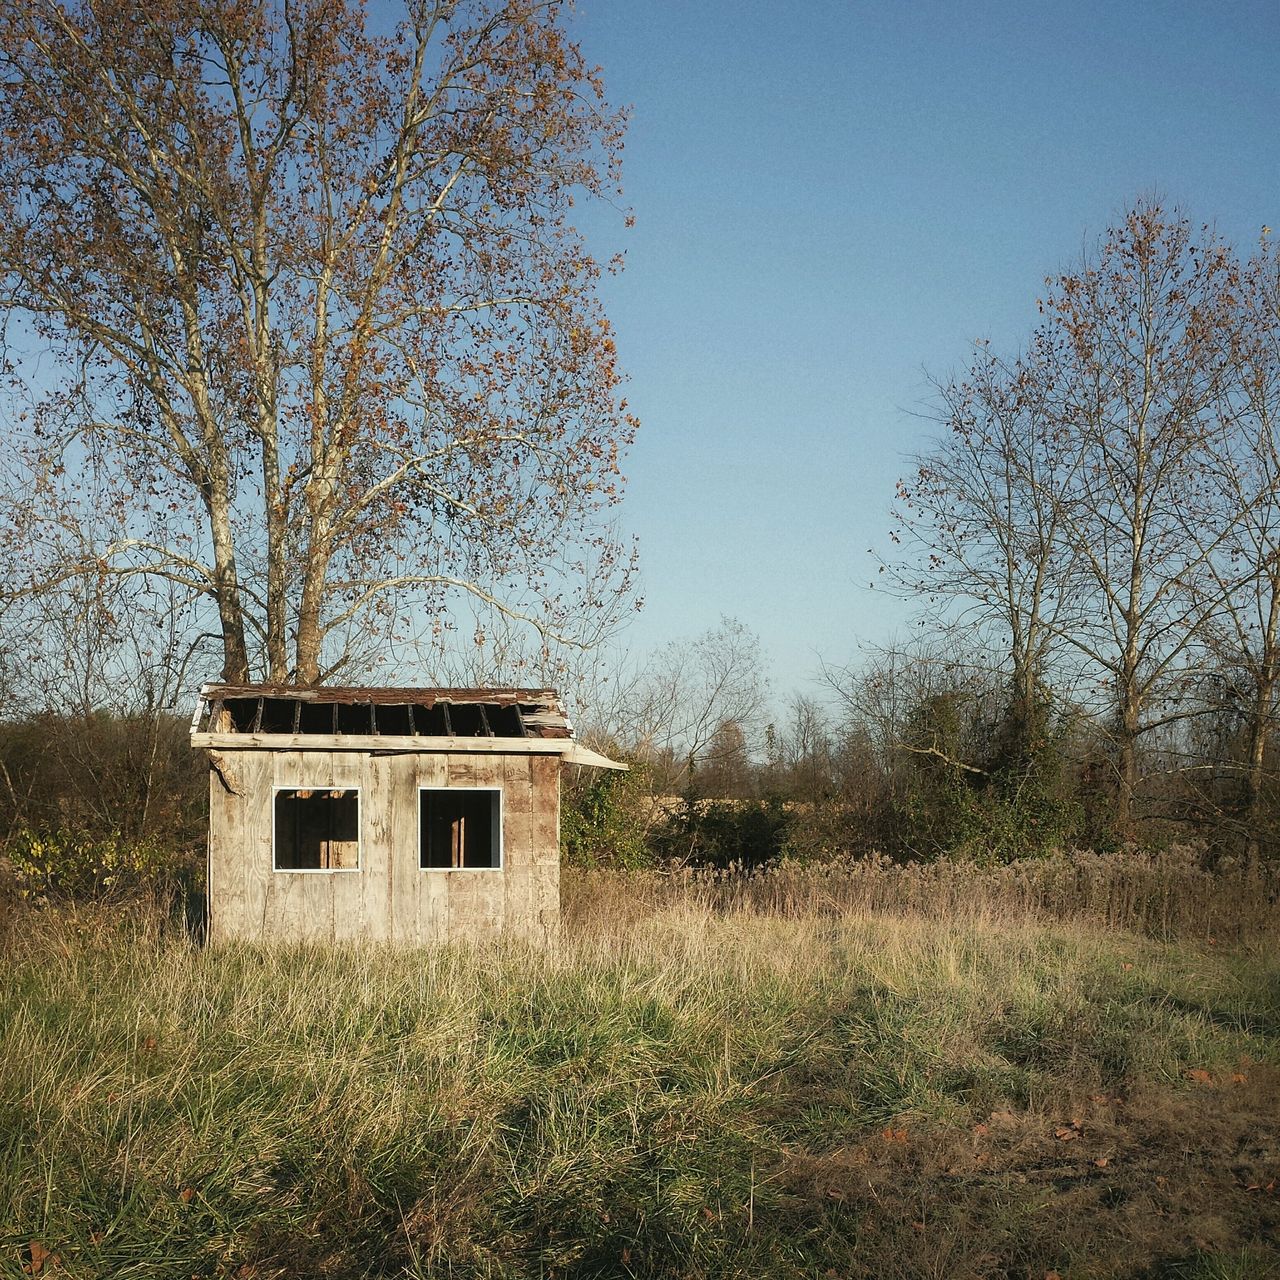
1092	539
1092	542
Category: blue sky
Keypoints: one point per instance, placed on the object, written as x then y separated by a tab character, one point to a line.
833	200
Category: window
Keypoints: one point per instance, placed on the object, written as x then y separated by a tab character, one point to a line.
317	830
459	829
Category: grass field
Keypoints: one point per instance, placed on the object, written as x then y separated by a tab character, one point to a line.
679	1088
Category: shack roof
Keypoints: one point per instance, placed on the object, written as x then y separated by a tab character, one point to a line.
283	717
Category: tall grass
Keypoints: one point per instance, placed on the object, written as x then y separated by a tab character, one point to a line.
1166	895
689	1084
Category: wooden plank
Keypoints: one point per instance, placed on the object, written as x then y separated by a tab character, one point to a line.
545	698
520	907
475	771
404	892
521	904
239	841
544	773
421	906
225	888
300	907
476	900
580	755
532	908
517	813
201	703
549	904
377	881
387	743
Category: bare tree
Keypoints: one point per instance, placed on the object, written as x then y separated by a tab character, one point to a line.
678	705
328	350
1056	508
1142	332
980	520
803	751
93	724
882	694
1243	632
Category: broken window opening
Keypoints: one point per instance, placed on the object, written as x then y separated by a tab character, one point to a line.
459	829
317	829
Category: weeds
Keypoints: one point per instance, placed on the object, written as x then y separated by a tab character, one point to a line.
673	1090
1165	895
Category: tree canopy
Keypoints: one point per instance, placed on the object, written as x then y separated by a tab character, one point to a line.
318	341
1103	504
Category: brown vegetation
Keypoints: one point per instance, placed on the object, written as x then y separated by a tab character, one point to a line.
680	1087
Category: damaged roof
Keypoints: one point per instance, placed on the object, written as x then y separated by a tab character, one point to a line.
387	718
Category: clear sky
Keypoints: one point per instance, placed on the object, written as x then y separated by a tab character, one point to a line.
833	200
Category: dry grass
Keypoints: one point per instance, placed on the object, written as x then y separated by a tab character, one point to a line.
1166	895
686	1086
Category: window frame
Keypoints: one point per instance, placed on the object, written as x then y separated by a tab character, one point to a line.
319	871
500	864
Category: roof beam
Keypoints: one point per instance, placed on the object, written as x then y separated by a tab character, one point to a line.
387	742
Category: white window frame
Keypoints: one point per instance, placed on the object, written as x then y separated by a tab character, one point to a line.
498	835
320	871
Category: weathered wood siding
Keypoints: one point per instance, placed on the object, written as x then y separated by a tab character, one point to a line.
390	898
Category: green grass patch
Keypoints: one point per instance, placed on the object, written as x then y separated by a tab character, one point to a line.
689	1095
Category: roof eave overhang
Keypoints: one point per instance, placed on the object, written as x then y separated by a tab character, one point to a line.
578	754
569	751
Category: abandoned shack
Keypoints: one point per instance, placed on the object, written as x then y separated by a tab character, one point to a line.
394	815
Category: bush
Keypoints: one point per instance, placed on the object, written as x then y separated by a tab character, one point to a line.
606	819
67	865
724	833
104	775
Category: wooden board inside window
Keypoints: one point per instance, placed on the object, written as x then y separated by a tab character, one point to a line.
317	829
459	829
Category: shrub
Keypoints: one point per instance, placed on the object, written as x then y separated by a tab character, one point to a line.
606	819
67	865
724	833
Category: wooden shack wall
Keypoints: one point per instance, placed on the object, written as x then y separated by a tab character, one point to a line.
390	898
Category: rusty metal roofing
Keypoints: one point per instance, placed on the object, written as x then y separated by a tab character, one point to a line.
227	710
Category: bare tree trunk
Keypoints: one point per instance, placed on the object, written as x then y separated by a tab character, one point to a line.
1127	767
277	652
310	631
235	653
